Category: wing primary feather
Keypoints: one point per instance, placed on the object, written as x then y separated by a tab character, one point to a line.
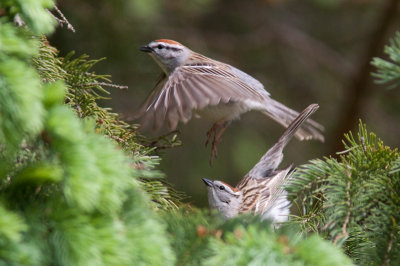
180	105
201	98
209	91
187	87
159	99
187	101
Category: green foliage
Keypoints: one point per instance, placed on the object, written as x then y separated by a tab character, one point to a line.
16	43
96	187
68	195
190	231
259	246
16	102
84	89
32	12
354	200
73	174
389	71
12	227
203	239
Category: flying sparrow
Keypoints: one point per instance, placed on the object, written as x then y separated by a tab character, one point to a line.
260	191
193	83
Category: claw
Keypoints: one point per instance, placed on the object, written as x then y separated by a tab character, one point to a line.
209	136
216	138
214	150
212	133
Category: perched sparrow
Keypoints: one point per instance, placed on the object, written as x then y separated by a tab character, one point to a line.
192	82
260	191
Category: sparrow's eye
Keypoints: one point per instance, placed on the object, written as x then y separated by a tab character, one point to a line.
221	187
160	46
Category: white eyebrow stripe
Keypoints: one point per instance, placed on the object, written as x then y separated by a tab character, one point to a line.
198	66
174	46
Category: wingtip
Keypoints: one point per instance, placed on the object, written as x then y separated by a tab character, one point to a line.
312	108
310	130
318	137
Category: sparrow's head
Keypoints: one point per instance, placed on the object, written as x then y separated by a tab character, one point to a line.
168	54
223	197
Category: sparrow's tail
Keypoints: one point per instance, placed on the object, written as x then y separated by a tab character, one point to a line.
271	160
274	205
284	116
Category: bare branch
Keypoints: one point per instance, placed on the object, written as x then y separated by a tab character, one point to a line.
107	85
63	20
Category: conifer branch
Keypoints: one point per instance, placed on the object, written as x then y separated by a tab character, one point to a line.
386	259
364	198
166	141
344	233
388	71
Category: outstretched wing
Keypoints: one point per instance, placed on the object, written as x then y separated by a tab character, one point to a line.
193	87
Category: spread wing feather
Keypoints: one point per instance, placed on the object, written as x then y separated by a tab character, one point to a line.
193	87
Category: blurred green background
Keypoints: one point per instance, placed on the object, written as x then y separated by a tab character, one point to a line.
315	51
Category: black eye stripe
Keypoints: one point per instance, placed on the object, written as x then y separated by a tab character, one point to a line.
160	46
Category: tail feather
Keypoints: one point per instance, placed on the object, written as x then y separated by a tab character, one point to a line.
271	160
284	116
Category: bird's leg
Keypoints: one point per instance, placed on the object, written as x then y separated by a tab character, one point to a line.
217	138
212	132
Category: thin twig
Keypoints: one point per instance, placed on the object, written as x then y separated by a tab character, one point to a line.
79	110
166	135
63	19
118	139
153	143
69	25
121	87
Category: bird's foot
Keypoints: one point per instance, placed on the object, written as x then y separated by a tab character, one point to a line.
212	133
214	150
215	134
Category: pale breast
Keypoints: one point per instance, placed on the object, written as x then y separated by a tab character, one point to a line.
223	111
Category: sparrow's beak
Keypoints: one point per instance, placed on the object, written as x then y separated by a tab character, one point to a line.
207	182
146	49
